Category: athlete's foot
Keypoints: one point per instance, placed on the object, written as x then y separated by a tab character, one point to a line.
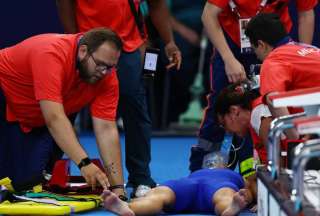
240	200
114	204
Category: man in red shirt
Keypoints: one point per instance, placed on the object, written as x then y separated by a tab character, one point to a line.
287	65
43	81
79	15
225	21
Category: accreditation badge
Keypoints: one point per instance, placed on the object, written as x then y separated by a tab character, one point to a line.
244	40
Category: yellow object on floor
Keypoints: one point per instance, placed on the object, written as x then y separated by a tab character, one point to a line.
48	205
6	182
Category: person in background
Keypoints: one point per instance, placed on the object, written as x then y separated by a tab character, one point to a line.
44	81
188	33
77	16
225	22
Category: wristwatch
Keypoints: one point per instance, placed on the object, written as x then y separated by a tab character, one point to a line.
84	162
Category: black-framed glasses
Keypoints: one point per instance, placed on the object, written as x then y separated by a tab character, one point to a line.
102	67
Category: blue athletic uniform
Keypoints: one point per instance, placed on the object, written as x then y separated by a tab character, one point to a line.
195	192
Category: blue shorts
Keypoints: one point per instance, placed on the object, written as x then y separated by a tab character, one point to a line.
195	192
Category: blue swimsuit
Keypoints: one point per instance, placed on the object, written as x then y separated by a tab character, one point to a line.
195	192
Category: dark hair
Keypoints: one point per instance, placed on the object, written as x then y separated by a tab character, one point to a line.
234	94
266	27
94	38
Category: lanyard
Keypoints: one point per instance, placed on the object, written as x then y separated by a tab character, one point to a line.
235	10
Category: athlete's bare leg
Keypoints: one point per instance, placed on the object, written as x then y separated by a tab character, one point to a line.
158	199
153	203
114	204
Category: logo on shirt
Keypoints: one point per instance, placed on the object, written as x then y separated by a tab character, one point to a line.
307	51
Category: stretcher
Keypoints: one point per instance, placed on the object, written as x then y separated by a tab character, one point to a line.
47	205
74	195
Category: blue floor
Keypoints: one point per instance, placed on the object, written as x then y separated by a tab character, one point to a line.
169	160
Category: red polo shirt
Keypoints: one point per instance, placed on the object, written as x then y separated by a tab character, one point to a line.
290	67
248	8
43	68
113	14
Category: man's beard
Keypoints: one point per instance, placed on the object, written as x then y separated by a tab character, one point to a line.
82	67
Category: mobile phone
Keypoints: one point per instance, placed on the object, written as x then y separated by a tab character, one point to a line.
151	59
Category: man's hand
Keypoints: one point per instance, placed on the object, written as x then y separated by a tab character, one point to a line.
92	174
174	55
234	71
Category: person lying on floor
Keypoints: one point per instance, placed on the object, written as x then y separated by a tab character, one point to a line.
240	110
212	190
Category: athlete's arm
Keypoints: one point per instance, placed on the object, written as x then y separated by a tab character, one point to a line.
251	185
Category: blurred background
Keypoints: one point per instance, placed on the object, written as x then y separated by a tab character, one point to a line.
176	98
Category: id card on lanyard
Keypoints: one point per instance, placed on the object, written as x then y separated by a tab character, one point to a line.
245	44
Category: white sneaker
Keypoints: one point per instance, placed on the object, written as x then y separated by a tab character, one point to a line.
142	190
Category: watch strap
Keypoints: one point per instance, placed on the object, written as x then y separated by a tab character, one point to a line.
84	162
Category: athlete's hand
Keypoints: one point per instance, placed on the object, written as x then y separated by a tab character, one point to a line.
174	55
234	70
94	175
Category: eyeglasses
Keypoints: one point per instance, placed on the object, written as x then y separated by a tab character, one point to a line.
102	67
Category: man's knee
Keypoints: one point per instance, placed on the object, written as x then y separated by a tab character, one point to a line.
27	156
